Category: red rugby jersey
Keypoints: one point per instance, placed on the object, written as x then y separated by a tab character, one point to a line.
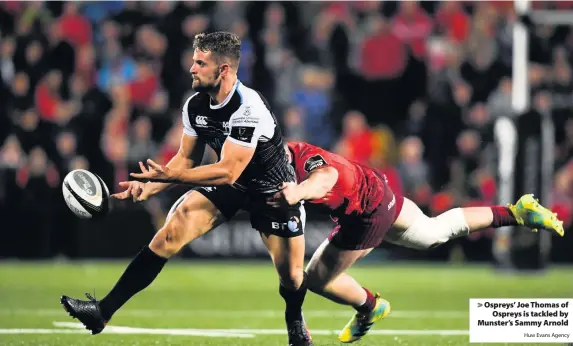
359	189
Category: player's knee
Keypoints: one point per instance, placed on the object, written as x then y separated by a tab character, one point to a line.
291	277
422	234
314	281
169	240
430	232
163	243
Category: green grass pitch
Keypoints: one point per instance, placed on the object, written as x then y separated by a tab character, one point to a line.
237	303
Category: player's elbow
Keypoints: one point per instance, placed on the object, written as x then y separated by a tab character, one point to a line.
226	177
330	177
230	174
181	156
232	178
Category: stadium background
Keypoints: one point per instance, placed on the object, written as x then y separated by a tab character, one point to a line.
412	89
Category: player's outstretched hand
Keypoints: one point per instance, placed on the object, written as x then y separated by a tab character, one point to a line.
134	190
156	172
288	195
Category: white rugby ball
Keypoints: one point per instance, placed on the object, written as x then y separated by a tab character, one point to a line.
86	194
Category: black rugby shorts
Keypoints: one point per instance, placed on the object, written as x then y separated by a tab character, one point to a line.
282	222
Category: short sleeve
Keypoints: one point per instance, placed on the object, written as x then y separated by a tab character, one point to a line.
308	158
187	127
250	123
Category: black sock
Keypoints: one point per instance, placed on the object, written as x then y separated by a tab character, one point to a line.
293	300
141	272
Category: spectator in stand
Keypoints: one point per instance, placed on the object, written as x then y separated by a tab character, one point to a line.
73	26
414	171
35	64
413	26
117	69
21	96
66	144
7	68
452	20
314	98
357	141
384	157
60	54
294	125
563	194
383	60
49	102
141	145
383	53
499	102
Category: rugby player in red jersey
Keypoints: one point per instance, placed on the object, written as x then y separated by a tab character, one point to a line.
367	212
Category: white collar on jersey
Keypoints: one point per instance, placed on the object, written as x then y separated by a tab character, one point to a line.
226	100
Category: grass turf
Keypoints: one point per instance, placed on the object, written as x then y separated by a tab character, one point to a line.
244	295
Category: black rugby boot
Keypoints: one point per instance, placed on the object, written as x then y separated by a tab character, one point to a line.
87	311
298	334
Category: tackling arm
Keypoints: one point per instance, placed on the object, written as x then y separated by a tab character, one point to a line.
318	183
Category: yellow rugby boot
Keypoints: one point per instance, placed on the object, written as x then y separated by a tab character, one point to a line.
528	212
360	324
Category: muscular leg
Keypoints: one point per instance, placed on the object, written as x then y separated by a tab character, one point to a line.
287	255
327	278
326	275
326	269
414	229
193	216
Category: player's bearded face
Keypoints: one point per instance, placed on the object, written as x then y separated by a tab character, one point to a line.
206	73
208	81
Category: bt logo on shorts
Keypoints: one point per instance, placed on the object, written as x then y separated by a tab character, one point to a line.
291	225
201	121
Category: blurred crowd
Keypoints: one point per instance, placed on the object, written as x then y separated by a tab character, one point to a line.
410	88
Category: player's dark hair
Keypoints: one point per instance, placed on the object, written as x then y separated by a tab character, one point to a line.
222	44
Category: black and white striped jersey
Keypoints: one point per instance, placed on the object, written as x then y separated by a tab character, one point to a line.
244	118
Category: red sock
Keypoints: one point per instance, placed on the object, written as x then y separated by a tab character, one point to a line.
502	216
369	304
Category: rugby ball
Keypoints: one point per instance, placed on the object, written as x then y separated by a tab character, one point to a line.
86	194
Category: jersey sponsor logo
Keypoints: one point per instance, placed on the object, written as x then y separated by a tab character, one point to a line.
201	121
226	128
242	133
314	162
245	121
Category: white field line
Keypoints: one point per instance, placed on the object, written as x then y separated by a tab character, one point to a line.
152	313
133	331
229	333
78	328
76	325
41	331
